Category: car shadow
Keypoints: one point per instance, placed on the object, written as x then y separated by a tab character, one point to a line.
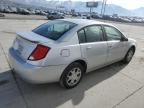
9	93
52	95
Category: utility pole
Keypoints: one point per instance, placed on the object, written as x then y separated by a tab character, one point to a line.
103	7
90	11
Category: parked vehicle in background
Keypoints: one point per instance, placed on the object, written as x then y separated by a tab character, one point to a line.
64	50
23	11
83	16
2	15
55	15
40	12
88	16
75	15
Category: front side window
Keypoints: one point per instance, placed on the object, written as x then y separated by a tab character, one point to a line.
112	33
54	29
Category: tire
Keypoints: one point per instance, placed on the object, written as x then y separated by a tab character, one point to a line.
129	55
72	75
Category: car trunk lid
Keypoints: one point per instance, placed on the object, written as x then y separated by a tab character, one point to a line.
26	42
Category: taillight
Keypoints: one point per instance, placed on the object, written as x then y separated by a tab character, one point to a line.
39	53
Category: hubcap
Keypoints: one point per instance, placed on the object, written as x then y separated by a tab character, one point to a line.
130	55
73	76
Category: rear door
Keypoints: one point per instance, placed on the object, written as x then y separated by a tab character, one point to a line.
93	46
116	47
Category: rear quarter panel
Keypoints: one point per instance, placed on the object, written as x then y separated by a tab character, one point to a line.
64	53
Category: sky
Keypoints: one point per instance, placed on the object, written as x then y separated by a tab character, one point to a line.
128	4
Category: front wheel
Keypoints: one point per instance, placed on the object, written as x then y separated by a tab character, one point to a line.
129	55
72	75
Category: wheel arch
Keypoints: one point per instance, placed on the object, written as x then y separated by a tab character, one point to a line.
82	62
133	47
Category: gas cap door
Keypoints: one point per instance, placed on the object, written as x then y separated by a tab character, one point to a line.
65	53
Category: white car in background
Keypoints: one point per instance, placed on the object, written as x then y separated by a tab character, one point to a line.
64	50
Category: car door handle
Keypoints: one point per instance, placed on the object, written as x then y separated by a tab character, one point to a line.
110	46
89	47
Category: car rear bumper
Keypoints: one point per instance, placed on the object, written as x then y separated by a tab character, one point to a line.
34	74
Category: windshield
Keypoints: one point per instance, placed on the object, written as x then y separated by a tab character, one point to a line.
53	13
54	29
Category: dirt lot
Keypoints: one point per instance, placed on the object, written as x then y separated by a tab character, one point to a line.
115	86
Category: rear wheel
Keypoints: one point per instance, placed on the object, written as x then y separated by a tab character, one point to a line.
72	75
129	55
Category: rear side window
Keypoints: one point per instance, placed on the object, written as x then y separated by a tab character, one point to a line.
93	33
90	34
81	35
54	29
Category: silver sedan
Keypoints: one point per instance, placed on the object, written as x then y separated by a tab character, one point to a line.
64	50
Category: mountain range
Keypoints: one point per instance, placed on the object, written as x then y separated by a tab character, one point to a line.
80	6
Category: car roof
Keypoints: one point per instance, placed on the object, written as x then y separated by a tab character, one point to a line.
80	24
84	21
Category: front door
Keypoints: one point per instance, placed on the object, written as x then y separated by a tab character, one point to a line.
116	47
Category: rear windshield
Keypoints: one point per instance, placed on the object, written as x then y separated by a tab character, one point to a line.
54	29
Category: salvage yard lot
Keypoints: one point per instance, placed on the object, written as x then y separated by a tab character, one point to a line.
115	86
